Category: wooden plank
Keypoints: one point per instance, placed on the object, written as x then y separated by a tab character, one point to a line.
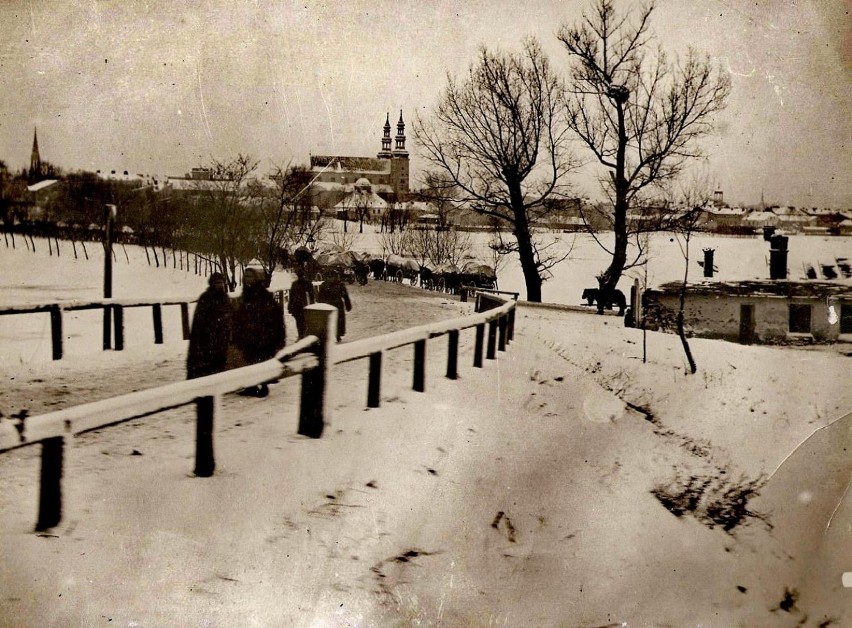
97	414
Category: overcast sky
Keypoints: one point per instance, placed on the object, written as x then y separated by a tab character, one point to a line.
162	86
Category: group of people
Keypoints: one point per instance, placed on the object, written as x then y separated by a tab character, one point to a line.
229	333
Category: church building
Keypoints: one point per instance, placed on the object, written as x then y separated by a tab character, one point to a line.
387	174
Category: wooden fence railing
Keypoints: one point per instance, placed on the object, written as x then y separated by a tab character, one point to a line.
313	357
113	329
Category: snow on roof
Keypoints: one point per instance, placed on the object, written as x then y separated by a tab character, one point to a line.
35	187
365	200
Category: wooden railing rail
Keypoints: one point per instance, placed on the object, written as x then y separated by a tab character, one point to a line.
113	332
312	357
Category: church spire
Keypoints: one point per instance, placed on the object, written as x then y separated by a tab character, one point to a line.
386	139
400	134
35	158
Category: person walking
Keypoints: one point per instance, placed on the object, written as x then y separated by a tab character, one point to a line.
301	295
334	292
211	330
258	324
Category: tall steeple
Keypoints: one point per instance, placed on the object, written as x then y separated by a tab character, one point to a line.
400	136
386	139
35	158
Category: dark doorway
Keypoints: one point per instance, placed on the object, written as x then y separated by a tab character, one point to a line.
846	318
800	318
746	324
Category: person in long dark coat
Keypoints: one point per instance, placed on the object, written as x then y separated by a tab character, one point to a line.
301	295
334	292
258	324
211	330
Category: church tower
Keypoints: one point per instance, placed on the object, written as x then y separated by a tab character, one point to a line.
35	159
385	153
399	149
399	163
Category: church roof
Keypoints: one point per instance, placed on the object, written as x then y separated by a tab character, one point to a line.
360	199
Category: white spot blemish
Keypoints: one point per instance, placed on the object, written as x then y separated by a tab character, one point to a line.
847	579
832	315
806	497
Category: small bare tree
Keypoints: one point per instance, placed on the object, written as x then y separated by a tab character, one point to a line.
394	243
224	213
285	216
694	193
497	135
438	246
639	113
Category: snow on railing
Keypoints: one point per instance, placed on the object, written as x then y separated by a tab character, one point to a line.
312	358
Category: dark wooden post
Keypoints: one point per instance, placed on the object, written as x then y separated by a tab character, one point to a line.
157	310
50	488
374	384
491	353
107	327
501	337
56	331
109	215
184	319
510	334
321	321
419	383
205	410
453	354
118	323
477	350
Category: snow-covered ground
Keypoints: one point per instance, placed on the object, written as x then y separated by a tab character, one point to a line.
525	493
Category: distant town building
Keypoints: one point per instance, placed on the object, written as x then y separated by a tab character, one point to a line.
761	311
335	176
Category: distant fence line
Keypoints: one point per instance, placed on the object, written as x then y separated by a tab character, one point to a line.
113	329
313	358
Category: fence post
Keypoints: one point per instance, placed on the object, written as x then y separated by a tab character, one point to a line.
56	331
374	383
477	350
491	353
419	383
321	321
184	319
205	413
510	333
107	327
501	337
453	354
118	323
50	488
157	311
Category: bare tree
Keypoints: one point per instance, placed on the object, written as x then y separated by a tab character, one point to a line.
225	213
438	246
497	136
285	217
394	243
694	194
343	240
639	113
